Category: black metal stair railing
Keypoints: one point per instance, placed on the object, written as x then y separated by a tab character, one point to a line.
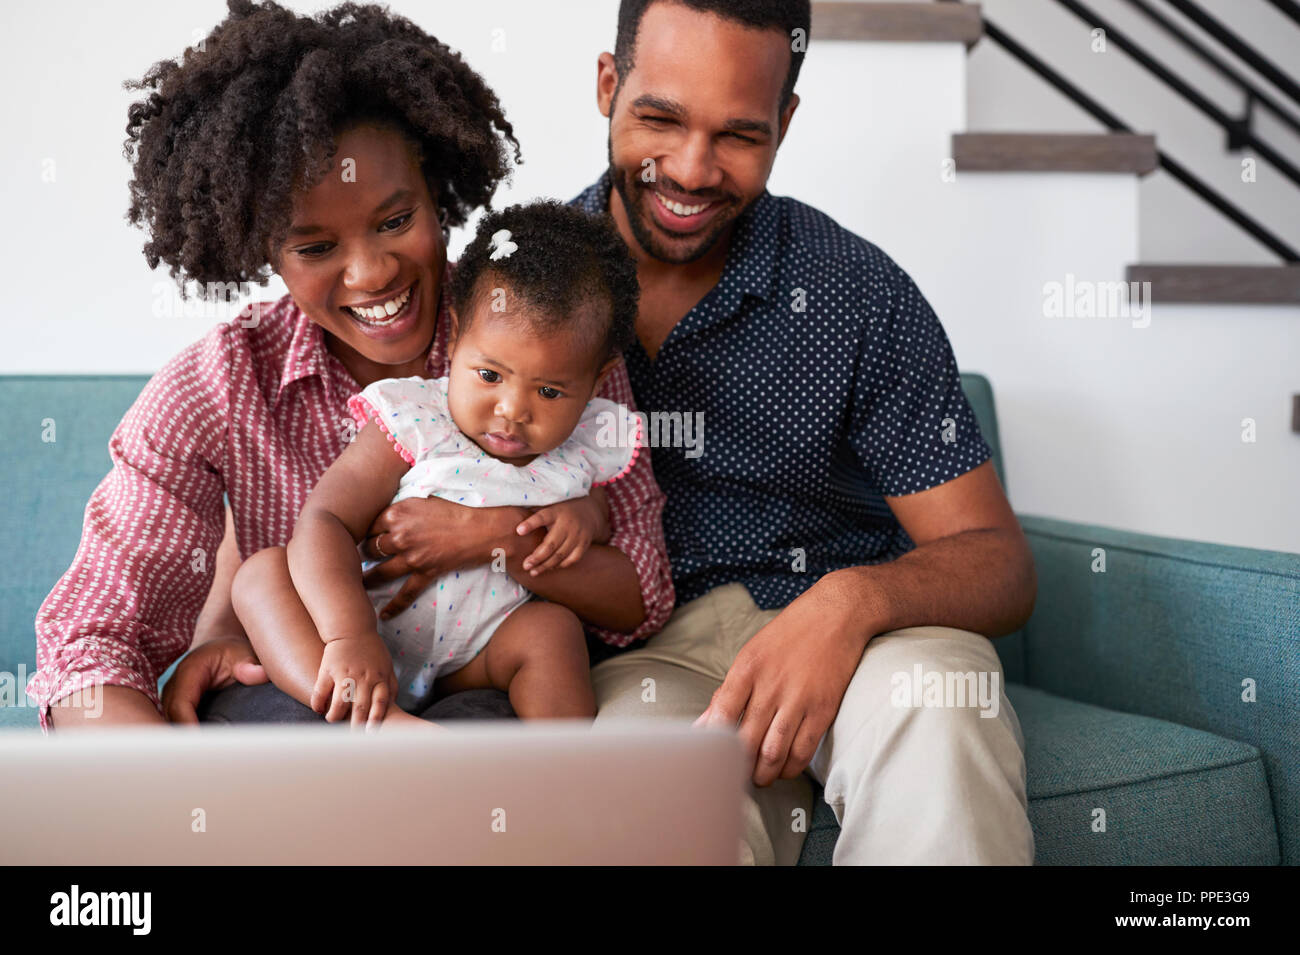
1213	197
1237	45
1239	131
1288	7
1253	93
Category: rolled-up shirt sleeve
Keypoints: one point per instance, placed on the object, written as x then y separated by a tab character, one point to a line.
636	506
126	608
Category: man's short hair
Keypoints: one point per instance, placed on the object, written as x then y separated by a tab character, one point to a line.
784	15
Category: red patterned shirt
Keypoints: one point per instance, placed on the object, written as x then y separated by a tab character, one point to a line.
259	413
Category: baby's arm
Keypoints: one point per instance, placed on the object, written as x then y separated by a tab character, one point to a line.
326	572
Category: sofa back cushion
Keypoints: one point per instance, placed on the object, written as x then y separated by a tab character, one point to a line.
55	431
1011	648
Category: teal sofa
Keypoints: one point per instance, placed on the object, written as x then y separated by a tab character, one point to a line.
1129	684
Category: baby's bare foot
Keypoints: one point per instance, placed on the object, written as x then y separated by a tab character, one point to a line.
399	717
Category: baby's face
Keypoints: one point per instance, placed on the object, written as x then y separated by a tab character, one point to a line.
515	394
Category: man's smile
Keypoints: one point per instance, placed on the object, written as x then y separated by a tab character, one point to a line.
682	218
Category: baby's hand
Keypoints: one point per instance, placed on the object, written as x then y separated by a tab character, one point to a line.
573	525
356	675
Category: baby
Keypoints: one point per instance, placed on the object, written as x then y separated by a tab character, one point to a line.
543	302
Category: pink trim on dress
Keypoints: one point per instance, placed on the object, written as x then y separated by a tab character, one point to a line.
636	449
362	410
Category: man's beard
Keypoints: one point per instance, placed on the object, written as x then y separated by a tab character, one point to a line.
635	195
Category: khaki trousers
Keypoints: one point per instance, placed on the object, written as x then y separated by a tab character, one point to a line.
913	777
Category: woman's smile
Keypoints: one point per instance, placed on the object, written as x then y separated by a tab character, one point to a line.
386	318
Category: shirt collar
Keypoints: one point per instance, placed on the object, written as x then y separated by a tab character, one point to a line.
751	261
307	355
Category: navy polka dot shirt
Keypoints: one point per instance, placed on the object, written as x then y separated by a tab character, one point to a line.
825	382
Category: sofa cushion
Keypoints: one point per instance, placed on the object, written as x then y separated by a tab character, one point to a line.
1171	795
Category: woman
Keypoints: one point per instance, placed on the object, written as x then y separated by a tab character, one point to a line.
336	152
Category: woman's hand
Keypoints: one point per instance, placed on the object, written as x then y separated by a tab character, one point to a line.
356	675
220	654
428	537
572	527
214	665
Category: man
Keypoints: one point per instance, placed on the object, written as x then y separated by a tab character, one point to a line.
840	525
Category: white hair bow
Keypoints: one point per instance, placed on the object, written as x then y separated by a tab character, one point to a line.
502	247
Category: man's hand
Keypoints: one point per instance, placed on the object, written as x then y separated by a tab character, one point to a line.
423	538
786	684
572	527
214	665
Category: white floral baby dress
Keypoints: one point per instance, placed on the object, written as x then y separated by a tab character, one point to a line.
448	624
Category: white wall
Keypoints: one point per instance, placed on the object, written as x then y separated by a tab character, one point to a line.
1101	422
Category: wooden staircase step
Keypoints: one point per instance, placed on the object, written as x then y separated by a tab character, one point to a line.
1221	284
898	22
1054	152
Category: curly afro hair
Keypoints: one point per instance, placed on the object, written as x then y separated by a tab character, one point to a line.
228	132
562	257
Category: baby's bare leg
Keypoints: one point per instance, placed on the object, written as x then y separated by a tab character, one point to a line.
539	656
281	630
278	625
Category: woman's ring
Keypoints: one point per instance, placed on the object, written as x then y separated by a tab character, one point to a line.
378	548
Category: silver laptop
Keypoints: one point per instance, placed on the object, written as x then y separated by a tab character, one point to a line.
549	793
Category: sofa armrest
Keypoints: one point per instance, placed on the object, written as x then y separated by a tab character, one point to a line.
1201	634
1170	628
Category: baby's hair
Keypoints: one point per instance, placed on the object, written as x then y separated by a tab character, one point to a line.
555	258
229	131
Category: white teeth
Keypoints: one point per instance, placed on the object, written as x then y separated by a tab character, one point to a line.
678	209
382	314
